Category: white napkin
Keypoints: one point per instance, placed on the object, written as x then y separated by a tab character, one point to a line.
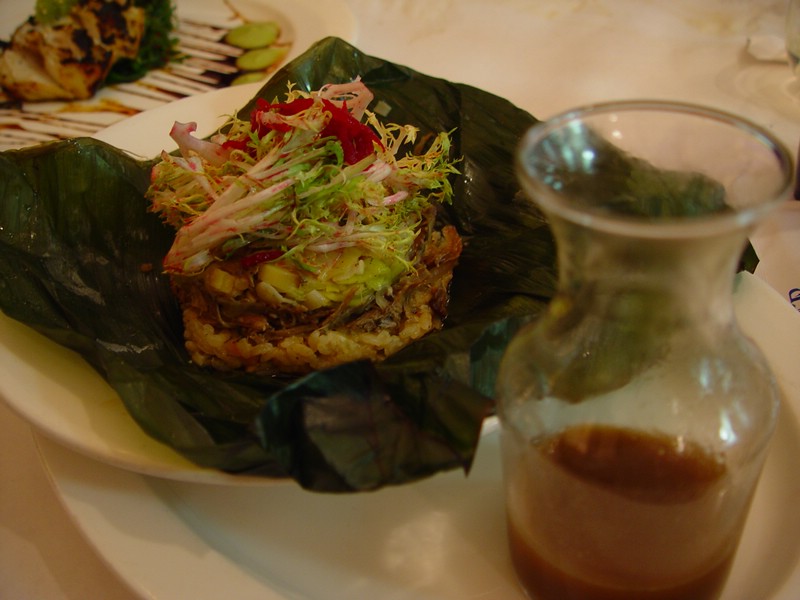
777	243
773	325
767	47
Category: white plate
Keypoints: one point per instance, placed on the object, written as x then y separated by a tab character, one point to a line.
302	23
55	389
146	134
440	539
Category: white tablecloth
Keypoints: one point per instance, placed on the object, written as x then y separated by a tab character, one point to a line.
545	56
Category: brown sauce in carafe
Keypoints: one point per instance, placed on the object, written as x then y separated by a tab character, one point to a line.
606	513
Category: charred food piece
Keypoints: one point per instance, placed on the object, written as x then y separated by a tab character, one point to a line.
71	57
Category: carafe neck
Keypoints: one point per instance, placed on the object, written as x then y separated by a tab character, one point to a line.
684	279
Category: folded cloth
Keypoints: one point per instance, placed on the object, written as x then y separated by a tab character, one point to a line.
777	243
767	48
773	325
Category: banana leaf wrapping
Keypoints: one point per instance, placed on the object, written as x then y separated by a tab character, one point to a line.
80	257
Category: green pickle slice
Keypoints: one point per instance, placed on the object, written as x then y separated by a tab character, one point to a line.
260	58
253	35
249	77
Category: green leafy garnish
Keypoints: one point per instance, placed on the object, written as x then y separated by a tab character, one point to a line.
158	47
47	11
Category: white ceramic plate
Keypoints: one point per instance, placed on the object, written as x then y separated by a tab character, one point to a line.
201	24
55	389
146	134
440	539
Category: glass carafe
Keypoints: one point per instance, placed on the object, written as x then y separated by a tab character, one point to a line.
635	416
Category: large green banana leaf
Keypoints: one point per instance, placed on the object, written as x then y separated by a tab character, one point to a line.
79	262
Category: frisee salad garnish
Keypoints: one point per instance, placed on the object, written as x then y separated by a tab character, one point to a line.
302	176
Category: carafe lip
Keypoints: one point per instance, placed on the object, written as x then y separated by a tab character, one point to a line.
550	201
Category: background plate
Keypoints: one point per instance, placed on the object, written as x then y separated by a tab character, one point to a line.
201	24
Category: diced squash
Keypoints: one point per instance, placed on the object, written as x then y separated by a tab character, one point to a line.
314	299
220	281
281	279
346	265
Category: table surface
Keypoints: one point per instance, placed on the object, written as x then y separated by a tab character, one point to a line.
543	55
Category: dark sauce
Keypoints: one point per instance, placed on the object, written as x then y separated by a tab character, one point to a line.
604	513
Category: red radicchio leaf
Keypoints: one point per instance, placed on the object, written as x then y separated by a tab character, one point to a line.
356	138
256	258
